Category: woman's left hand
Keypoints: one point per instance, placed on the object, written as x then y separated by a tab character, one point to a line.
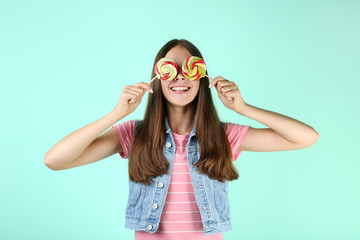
229	93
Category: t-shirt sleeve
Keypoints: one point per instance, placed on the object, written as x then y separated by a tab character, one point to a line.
236	134
125	132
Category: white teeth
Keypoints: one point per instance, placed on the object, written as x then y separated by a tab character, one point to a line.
180	88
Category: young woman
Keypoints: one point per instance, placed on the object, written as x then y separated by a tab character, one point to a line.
180	155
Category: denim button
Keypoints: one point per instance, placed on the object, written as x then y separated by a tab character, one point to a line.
160	184
155	206
168	144
149	227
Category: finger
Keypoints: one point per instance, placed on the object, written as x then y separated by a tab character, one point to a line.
230	95
225	96
139	91
131	96
136	89
144	85
215	80
228	88
223	83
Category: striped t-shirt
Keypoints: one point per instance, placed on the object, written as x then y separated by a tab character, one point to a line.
180	218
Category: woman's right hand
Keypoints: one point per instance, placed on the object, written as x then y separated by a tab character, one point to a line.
131	97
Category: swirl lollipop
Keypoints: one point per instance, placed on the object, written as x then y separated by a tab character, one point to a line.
165	69
194	68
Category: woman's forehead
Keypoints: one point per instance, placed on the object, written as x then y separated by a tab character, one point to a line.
178	54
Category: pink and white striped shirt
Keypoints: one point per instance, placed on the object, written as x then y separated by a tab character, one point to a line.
181	217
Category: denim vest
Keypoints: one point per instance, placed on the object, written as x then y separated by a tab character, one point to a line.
145	203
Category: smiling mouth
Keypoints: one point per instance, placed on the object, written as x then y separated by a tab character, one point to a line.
180	89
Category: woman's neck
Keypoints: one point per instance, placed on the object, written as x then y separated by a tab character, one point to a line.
181	119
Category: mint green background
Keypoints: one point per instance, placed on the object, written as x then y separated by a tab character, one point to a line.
63	65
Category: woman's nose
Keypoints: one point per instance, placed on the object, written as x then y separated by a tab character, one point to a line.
179	75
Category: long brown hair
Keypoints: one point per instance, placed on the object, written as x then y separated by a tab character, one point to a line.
147	159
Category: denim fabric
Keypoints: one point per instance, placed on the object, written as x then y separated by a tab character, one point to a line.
145	203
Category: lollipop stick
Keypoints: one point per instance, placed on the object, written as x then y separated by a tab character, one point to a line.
153	79
208	77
